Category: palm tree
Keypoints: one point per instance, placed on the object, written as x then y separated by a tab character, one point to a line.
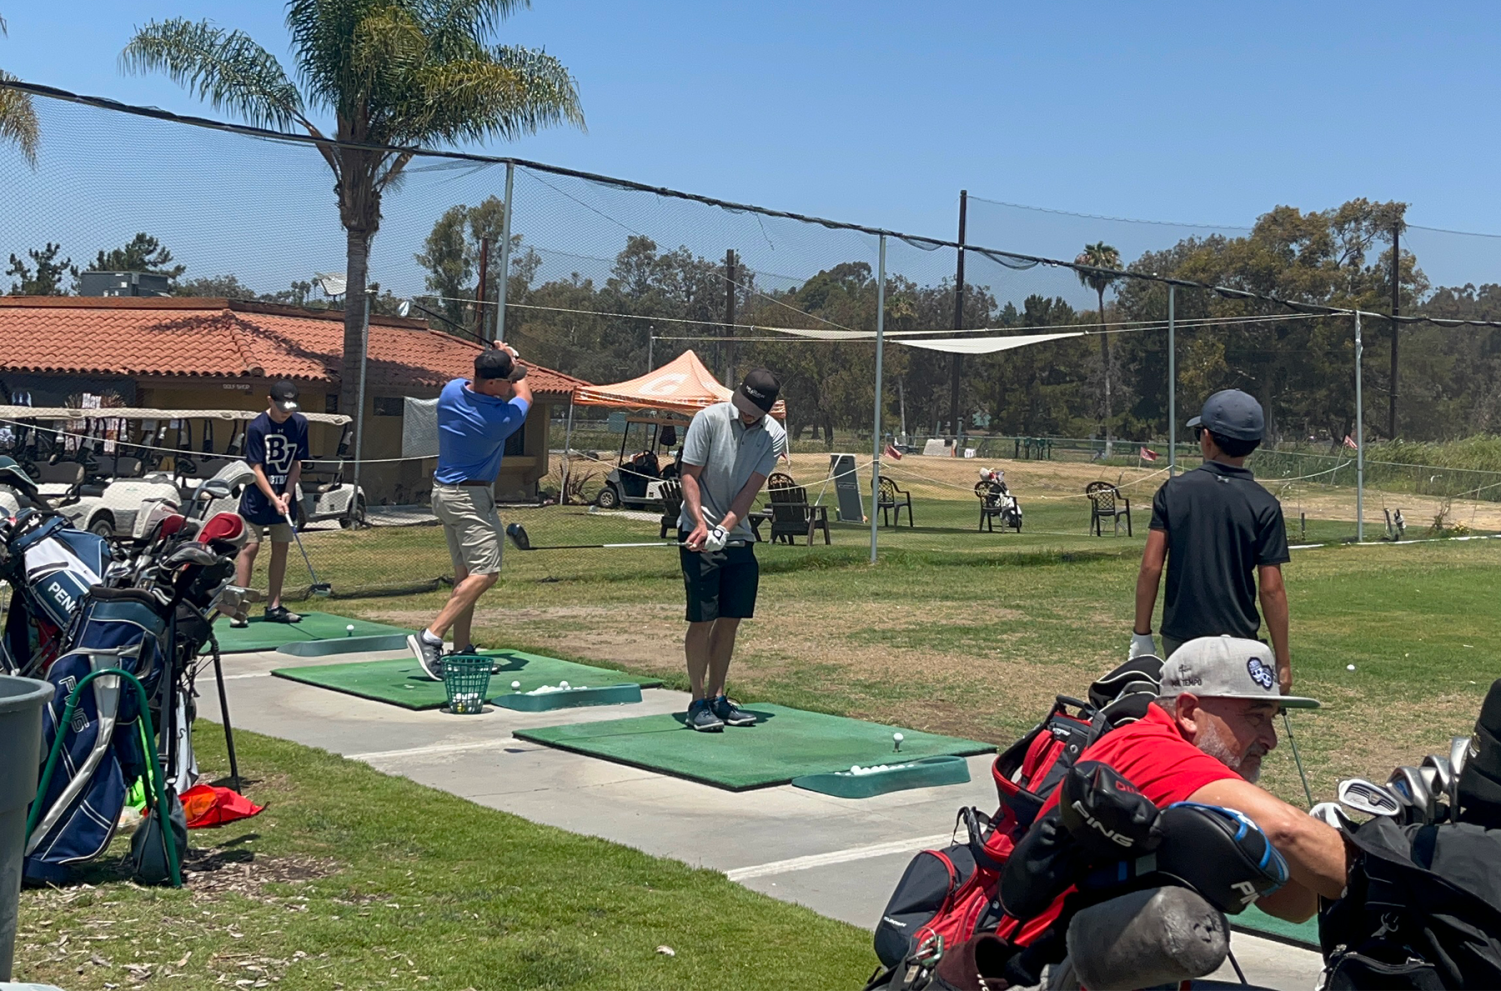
18	121
1101	256
393	73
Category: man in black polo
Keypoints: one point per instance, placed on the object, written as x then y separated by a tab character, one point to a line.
1222	536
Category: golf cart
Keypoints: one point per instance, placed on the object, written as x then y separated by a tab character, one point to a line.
636	481
106	468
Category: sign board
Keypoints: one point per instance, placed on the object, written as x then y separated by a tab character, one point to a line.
847	488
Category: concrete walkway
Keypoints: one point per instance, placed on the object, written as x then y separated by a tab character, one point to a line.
839	857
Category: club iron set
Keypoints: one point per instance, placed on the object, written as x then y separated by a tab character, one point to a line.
1368	798
1440	779
320	589
1407	781
1459	753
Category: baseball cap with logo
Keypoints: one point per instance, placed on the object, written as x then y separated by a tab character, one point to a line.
1227	668
758	393
1231	413
284	395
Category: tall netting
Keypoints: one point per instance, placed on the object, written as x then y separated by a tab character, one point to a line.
605	281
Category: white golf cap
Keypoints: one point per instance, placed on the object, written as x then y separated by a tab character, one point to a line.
1227	668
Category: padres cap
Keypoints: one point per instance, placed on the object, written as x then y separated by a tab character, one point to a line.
1227	668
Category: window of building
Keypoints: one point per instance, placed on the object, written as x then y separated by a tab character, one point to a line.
389	405
516	443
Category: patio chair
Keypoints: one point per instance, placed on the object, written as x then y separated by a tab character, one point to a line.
672	506
893	500
1107	503
792	517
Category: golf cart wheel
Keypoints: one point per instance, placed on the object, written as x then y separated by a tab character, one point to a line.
359	521
608	498
102	525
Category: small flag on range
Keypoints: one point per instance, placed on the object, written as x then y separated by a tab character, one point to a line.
1350	443
1147	454
893	453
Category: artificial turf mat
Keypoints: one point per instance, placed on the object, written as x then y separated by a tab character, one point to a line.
1254	920
784	744
261	635
401	682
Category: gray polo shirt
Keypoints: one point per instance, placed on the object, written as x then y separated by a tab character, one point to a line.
730	453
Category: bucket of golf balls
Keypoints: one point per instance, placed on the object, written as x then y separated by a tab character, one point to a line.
466	677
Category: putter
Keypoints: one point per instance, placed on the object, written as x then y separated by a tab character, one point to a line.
1406	781
522	542
320	589
1287	725
1368	797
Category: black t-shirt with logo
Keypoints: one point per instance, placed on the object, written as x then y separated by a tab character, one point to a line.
1220	525
276	447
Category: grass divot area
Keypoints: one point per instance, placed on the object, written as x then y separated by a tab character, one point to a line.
355	879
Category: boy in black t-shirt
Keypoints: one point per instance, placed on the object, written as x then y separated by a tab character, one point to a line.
275	447
1223	539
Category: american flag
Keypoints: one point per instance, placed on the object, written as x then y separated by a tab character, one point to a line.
1147	454
1350	443
893	453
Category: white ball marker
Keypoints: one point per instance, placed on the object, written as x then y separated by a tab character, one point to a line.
515	686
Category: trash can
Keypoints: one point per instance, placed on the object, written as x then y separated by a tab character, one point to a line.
21	702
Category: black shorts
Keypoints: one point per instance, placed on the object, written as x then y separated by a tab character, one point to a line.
720	585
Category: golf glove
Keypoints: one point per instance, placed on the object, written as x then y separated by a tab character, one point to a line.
716	539
1141	643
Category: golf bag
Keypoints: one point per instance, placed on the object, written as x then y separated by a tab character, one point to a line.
1423	909
50	566
954	893
102	750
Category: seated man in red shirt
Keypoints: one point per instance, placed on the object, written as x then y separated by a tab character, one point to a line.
1203	741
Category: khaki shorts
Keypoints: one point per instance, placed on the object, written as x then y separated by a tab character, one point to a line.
280	532
472	527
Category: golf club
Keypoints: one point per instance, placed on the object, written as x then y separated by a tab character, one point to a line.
522	542
1330	813
1407	781
320	589
1368	797
1459	752
1440	778
1287	725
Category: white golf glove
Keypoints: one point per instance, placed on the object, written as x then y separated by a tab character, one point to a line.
716	539
1141	643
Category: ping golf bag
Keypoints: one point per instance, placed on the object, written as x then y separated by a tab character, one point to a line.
102	750
50	567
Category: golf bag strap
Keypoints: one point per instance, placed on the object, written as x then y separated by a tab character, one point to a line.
976	825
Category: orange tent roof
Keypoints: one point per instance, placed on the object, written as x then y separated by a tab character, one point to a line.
683	384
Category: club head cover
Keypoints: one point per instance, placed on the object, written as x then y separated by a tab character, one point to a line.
1148	938
191	553
1479	788
978	964
1042	867
1105	813
228	527
1220	853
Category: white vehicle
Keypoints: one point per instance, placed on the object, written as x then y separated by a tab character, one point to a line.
100	467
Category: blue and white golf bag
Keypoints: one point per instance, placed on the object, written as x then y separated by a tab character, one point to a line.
50	566
102	750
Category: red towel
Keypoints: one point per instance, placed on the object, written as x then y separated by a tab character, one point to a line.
205	806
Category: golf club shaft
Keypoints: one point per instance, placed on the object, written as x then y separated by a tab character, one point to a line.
298	537
1287	725
596	547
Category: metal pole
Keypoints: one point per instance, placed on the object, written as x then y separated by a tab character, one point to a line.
651	339
1172	386
479	305
567	447
505	256
1359	439
875	463
956	364
1391	409
359	413
729	316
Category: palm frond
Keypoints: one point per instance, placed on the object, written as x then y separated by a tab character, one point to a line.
321	31
18	120
226	68
457	22
512	91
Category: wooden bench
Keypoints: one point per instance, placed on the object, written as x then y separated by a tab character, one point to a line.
792	516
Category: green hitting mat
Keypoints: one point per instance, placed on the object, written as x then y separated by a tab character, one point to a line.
1256	922
261	635
401	682
784	744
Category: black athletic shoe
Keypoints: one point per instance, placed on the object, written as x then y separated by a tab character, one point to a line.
701	717
239	624
281	614
429	655
729	713
470	649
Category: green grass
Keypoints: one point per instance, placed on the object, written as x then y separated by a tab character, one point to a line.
354	879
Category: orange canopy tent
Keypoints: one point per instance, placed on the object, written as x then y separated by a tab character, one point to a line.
682	385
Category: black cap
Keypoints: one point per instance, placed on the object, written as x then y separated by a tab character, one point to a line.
1231	413
284	395
758	393
494	363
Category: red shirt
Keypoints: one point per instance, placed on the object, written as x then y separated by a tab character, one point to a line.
1154	756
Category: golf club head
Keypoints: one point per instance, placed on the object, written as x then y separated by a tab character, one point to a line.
1443	774
1368	798
1330	813
1408	782
153	514
518	536
1438	786
214	488
1459	752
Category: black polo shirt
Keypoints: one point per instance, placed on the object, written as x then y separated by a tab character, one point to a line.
1220	525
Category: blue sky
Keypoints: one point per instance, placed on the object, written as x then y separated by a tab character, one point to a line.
880	112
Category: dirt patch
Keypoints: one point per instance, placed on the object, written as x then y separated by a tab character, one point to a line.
213	872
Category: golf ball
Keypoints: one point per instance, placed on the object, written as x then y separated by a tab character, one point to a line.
562	684
349	628
1349	667
898	737
515	685
854	768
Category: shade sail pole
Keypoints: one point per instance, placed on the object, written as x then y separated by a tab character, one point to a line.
875	464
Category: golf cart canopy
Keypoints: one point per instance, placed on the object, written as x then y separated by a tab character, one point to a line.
138	413
682	385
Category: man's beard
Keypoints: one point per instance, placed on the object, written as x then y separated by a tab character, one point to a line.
1247	765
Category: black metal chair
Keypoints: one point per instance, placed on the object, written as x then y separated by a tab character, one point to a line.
1107	503
893	500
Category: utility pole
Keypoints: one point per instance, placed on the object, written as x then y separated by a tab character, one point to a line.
956	362
729	317
1391	409
479	307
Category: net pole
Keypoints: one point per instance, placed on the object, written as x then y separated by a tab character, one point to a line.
875	442
567	450
1172	386
1359	439
504	278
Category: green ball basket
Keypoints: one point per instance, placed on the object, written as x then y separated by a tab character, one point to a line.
466	678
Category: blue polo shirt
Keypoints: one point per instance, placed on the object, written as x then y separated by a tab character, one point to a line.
472	432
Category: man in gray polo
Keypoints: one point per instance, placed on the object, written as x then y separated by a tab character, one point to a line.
728	453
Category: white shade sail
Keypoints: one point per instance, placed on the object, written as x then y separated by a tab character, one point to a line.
984	345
